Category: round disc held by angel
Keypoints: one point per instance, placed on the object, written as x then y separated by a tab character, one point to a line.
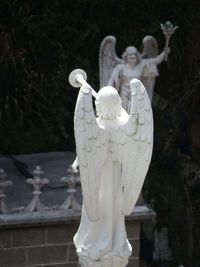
73	77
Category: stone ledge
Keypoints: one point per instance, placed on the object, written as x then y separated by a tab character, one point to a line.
57	217
54	217
71	264
141	213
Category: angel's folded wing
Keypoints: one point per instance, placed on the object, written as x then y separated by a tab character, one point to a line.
107	59
138	147
91	148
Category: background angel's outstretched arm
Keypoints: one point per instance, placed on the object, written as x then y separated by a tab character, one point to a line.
161	57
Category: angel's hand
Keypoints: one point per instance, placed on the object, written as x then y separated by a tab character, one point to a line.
75	166
86	88
167	50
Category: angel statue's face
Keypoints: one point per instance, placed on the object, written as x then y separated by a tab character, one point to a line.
108	103
131	55
131	59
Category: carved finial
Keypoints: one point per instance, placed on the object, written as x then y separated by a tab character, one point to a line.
38	171
71	180
168	29
37	181
3	184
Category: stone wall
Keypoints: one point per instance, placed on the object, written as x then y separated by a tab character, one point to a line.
133	233
46	239
38	246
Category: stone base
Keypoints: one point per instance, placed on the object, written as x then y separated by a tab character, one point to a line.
104	262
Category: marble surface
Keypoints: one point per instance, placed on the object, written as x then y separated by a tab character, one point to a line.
113	153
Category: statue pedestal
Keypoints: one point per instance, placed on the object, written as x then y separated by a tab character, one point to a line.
51	232
140	215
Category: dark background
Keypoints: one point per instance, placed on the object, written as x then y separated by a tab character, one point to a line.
41	42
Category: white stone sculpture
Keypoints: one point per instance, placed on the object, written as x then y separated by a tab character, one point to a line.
37	181
71	181
143	66
114	152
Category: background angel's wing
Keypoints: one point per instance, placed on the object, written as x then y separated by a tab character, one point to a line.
107	59
138	147
150	47
150	50
91	148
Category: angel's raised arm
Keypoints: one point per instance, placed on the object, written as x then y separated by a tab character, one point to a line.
160	58
90	144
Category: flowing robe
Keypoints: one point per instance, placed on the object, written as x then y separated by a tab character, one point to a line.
146	71
106	238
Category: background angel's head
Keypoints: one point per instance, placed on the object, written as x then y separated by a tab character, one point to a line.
131	55
108	103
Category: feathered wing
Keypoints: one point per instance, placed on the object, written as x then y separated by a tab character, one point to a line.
138	147
91	148
150	47
150	51
107	59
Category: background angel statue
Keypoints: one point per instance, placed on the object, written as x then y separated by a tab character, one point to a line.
119	72
114	152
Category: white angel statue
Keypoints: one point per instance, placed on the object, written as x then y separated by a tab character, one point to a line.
119	72
114	152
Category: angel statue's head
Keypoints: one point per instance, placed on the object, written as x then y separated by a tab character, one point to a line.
108	103
131	55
